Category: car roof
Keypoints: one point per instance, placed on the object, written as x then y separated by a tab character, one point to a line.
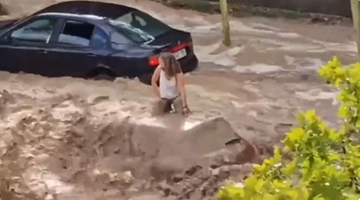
74	16
88	9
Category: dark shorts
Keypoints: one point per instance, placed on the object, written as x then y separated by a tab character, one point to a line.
165	105
168	103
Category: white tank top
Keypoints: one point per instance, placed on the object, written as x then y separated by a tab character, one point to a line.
168	87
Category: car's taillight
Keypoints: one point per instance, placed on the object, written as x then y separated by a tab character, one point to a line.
154	60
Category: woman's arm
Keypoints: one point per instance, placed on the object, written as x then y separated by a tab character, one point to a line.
181	87
154	79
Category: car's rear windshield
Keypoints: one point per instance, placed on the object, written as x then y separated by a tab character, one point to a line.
139	26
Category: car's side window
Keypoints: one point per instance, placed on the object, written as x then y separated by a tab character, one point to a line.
99	38
118	41
76	33
38	31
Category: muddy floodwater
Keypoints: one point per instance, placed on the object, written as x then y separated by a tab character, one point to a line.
67	138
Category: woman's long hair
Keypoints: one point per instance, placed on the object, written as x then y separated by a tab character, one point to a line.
171	65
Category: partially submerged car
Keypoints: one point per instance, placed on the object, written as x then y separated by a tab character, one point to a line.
91	40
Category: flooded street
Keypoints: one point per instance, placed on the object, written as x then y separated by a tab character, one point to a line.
67	138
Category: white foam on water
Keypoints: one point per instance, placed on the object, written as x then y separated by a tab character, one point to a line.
236	26
155	122
239	26
301	64
258	68
315	64
190	124
317	94
262	26
289	60
332	46
289	35
201	29
150	121
294	47
226	58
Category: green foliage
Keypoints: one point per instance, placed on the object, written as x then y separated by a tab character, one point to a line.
325	163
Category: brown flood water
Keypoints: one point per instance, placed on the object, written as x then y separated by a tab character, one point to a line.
67	138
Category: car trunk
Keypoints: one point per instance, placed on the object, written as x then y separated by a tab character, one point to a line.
171	38
175	41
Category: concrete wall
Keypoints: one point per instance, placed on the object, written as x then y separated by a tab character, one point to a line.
333	7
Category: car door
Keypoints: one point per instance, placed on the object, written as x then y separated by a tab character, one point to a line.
122	60
23	47
79	47
6	58
7	61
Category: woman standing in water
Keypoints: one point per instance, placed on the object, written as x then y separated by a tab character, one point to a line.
171	88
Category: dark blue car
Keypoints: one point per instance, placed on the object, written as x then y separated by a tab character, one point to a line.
91	40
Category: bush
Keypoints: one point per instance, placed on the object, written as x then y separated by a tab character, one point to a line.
326	162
